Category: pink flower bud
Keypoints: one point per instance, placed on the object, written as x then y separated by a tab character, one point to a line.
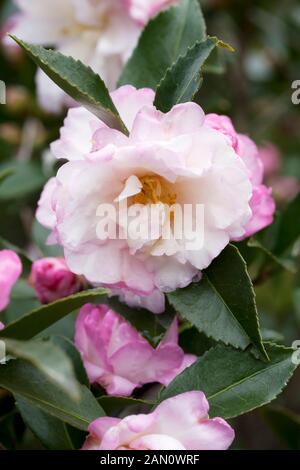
52	280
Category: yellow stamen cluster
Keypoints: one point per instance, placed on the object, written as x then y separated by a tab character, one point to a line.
155	190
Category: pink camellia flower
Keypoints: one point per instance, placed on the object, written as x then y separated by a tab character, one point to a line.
178	423
100	33
262	204
118	358
166	159
10	271
223	124
52	280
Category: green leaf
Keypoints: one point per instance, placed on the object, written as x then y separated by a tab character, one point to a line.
27	178
184	78
194	342
69	348
233	381
287	230
78	81
22	299
52	432
6	173
23	379
285	424
39	237
50	360
222	305
163	40
113	406
36	321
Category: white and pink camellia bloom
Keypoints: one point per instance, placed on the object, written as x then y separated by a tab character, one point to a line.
262	204
118	358
178	423
10	271
166	159
100	33
52	280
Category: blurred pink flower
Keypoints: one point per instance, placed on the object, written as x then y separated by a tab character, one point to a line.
10	271
178	423
167	158
262	203
100	33
52	280
271	159
1	326
118	358
284	187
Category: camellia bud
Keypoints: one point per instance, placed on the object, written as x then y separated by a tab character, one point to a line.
52	280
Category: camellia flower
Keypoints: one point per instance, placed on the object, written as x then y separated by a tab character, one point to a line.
100	33
118	358
261	203
10	271
166	159
52	280
178	423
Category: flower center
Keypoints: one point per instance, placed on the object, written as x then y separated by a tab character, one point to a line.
155	190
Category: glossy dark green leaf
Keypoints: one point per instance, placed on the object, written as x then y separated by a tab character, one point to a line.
234	381
25	380
49	359
194	342
52	432
222	305
183	79
78	80
163	40
41	318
